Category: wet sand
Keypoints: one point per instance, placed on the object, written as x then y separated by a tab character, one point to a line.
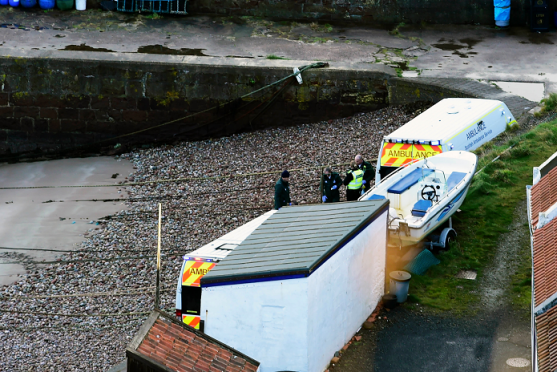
54	218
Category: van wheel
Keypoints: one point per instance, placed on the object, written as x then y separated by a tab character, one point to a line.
448	235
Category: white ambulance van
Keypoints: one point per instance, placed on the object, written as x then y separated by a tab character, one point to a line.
452	124
199	262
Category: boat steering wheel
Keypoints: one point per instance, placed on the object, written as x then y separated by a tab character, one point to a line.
427	194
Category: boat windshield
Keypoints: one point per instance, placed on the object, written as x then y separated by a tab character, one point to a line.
433	184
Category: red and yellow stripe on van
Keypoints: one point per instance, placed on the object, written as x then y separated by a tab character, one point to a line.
401	154
192	320
194	270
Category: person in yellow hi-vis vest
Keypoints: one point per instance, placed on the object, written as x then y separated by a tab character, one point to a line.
353	182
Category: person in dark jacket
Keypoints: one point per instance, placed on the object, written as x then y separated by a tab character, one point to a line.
353	182
367	168
330	183
282	191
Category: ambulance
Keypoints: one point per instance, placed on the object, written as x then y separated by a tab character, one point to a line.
452	124
198	263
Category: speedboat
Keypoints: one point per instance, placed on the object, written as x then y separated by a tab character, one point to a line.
424	195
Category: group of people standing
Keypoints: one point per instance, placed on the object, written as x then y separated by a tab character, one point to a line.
357	180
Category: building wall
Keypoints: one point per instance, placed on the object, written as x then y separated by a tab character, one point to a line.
344	291
265	320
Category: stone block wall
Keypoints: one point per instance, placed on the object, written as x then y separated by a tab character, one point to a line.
50	102
366	11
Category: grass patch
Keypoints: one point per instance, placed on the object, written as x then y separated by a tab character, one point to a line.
521	280
272	56
550	103
486	214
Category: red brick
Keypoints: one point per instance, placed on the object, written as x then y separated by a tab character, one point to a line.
4	99
134	115
26	111
202	365
49	113
123	103
6	112
54	126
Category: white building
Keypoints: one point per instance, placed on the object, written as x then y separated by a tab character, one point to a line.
299	287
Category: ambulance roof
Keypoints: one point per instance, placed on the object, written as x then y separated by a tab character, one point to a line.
221	247
295	241
446	119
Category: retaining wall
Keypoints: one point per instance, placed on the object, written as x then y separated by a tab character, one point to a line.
367	11
52	101
79	102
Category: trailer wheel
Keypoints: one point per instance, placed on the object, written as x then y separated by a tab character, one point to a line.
448	235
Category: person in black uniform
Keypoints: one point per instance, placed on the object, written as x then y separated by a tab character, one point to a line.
282	191
367	168
330	183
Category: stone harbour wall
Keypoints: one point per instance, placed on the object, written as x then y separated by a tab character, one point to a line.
62	101
366	11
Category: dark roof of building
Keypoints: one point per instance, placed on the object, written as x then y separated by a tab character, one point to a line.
545	262
295	241
170	345
546	328
543	195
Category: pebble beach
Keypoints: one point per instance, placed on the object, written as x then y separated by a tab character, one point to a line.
80	313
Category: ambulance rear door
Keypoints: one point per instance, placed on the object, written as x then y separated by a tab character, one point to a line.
399	153
194	269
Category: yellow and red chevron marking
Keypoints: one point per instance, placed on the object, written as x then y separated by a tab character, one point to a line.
402	154
194	270
191	320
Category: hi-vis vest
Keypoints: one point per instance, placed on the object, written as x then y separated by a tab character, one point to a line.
357	178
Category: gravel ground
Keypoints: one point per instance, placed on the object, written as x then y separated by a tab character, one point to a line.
82	311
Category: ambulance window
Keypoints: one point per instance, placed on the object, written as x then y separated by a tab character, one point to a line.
191	300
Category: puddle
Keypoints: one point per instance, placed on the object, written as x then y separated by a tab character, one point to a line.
159	49
470	42
410	74
238	57
531	91
448	46
86	48
466	274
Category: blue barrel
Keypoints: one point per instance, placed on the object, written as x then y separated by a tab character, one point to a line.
14	3
502	12
28	3
47	4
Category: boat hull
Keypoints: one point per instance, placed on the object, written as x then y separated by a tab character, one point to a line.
417	234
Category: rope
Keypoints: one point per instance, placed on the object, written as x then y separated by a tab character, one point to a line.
86	327
181	179
73	315
301	69
91	294
75	261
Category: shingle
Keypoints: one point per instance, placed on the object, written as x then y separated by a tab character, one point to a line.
545	262
546	332
295	240
178	348
544	195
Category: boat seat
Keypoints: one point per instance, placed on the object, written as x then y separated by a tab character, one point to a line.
421	207
454	179
410	180
376	197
